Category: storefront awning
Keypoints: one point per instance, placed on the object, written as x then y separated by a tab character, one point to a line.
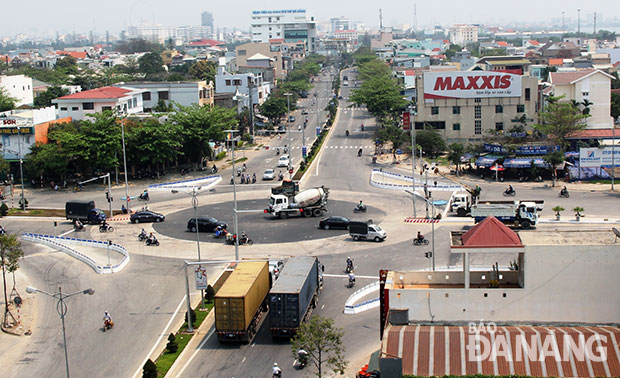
525	163
486	161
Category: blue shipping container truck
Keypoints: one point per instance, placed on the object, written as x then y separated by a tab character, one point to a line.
293	295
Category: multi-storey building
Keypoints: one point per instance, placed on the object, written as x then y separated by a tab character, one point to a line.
18	87
184	93
292	25
79	105
463	34
339	23
464	106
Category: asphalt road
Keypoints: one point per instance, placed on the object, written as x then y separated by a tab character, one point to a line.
261	227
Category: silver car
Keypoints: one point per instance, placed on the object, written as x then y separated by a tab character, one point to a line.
269	174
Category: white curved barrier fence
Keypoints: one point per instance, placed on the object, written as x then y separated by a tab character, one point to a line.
350	307
61	243
206	183
419	184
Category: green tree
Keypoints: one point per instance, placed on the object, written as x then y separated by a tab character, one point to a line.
6	102
4	168
615	82
431	142
150	143
203	70
133	46
45	99
394	135
172	346
149	370
67	64
47	159
10	253
175	76
151	63
586	106
374	68
161	107
199	125
274	108
323	342
615	105
381	95
554	159
456	150
559	120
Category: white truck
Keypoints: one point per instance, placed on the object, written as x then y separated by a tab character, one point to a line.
366	231
517	213
308	203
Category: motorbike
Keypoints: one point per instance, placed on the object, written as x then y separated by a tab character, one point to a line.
349	268
359	153
280	176
144	196
79	228
351	282
214	169
220	234
78	188
564	194
417	241
277	151
232	181
244	239
254	179
360	209
277	375
243	179
301	362
107	324
346	133
152	242
105	228
362	127
238	172
508	193
142	236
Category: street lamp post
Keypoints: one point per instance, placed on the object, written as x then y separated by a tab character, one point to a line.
613	152
413	165
288	127
21	167
232	145
125	166
61	307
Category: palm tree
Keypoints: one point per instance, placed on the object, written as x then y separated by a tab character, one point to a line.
586	106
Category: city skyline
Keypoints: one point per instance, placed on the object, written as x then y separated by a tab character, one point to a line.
49	20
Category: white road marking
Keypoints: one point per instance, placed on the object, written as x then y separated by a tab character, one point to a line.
66	233
253	345
139	371
242	361
195	352
322	307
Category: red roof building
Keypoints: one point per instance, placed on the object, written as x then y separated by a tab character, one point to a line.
80	104
205	43
75	54
490	233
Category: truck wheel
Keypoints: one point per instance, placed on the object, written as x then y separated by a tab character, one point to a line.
307	214
377	239
461	212
355	237
283	215
317	212
525	224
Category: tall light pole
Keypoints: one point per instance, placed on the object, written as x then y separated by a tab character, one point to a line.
288	127
413	165
578	22
613	151
61	307
563	28
21	167
232	145
125	165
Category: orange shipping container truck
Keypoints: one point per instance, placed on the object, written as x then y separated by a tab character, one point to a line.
241	303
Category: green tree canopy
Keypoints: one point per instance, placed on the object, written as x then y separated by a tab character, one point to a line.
381	95
431	142
560	119
136	46
274	108
47	159
6	102
374	68
67	64
149	142
323	342
45	99
393	134
151	63
456	150
615	105
203	70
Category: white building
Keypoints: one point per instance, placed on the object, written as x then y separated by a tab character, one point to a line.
339	24
461	34
292	25
79	105
21	128
239	84
172	92
19	87
591	85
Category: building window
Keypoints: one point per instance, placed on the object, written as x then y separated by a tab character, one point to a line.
75	108
585	94
146	96
135	102
456	127
63	109
228	82
129	104
104	108
237	82
456	110
435	110
477	100
499	126
241	52
477	111
520	108
499	109
527	94
88	106
477	127
163	95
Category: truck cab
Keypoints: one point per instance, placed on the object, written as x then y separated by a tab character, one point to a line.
460	204
528	214
278	202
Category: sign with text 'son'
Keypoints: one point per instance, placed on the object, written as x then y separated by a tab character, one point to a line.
474	84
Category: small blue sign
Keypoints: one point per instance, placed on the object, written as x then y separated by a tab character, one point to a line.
304	151
318	131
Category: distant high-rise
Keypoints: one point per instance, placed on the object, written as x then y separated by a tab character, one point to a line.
207	19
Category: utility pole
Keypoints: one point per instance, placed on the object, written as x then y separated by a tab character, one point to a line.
578	22
594	22
288	128
563	27
380	19
232	145
251	105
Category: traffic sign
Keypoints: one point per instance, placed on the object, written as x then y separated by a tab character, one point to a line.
201	278
290	171
304	151
318	131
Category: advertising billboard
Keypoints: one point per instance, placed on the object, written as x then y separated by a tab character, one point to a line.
474	84
597	157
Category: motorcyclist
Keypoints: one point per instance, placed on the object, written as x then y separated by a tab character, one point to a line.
347	132
564	191
359	152
420	237
151	239
232	180
361	206
277	372
104	226
107	319
278	151
214	169
509	190
302	356
253	177
351	278
349	264
244	167
145	195
2	231
142	234
244	237
280	176
78	225
218	231
362	127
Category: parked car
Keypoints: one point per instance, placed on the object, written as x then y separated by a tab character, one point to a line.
334	222
146	216
269	174
291	119
284	161
304	112
205	224
281	129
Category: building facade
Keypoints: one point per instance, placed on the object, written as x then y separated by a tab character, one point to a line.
19	87
586	86
248	50
240	84
464	106
463	34
339	23
79	105
174	92
292	25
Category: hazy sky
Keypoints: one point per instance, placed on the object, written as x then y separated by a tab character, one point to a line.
44	17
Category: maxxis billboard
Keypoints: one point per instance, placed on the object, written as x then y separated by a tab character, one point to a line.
474	84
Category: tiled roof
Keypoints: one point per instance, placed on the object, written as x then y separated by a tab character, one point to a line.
438	350
593	133
75	54
99	93
534	43
571	77
502	43
491	233
205	42
556	61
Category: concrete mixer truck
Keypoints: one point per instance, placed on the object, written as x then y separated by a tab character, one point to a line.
307	203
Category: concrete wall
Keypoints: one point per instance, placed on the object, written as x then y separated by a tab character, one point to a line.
577	284
19	87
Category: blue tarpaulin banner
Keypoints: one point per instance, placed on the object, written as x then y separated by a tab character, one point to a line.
525	163
486	161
